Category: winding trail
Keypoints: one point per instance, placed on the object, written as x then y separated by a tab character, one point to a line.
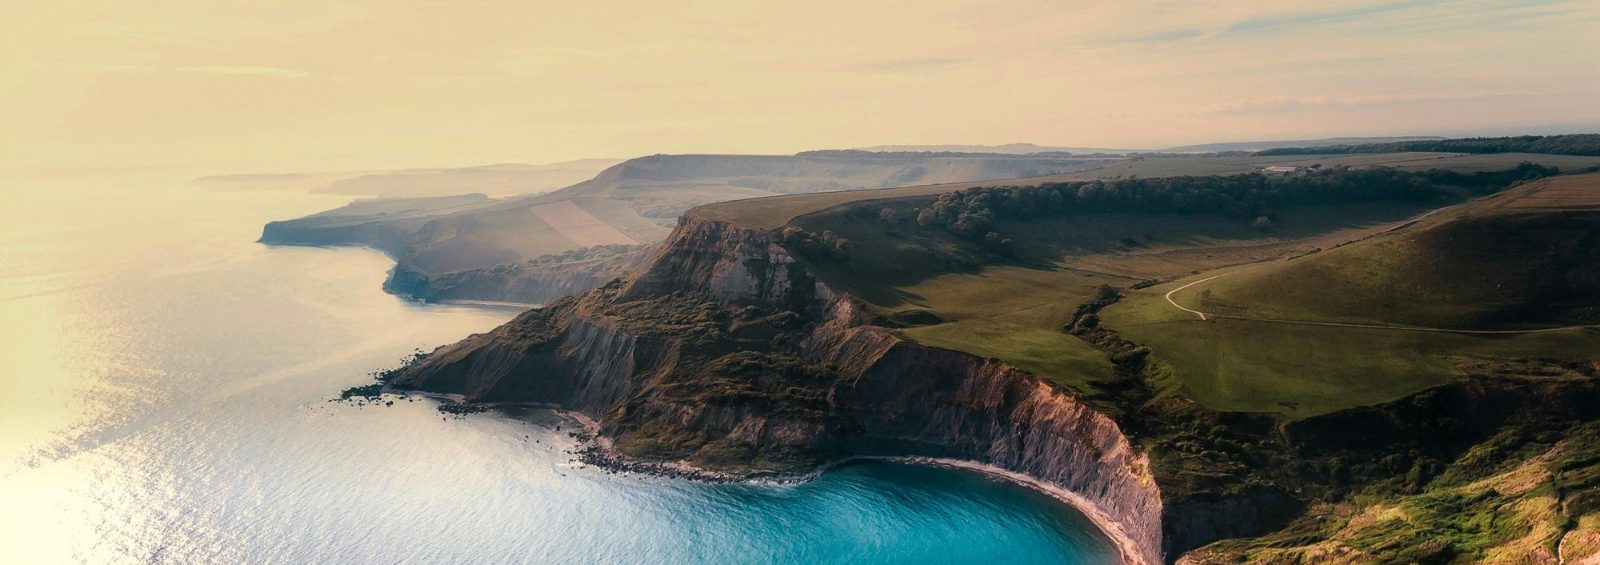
1215	316
1175	304
1401	225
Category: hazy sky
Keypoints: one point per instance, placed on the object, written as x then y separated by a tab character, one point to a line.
231	86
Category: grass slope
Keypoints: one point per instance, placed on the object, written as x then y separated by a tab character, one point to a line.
1541	509
1496	262
951	293
1300	371
1523	259
1015	314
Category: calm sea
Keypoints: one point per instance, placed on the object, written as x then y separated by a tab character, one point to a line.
164	386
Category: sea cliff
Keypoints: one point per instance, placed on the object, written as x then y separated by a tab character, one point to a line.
540	281
725	353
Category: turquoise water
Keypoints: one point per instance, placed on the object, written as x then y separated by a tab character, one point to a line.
163	399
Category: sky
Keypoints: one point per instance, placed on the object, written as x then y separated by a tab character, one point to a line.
225	86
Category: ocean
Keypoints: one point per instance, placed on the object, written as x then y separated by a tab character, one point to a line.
165	387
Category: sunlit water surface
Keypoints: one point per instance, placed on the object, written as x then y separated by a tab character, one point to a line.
164	387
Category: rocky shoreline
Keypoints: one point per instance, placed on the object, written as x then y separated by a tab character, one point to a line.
726	353
596	450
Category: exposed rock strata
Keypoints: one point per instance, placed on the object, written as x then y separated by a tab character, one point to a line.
724	352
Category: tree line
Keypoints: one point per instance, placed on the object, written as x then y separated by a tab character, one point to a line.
1585	144
974	212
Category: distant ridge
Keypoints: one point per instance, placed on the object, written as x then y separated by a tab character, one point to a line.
1027	148
1008	149
1586	144
1282	143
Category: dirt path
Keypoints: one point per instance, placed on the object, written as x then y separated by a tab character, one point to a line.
1402	225
1214	316
1175	304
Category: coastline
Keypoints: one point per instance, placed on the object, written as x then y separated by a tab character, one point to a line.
597	450
1127	550
497	304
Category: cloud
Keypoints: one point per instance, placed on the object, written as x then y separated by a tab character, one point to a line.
1291	104
903	65
245	70
1167	36
1290	22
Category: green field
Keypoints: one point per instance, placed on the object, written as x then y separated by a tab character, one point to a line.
953	296
1015	314
1498	264
1487	264
950	292
1300	371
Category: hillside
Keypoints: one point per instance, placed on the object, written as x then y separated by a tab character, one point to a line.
385	224
1518	260
1031	277
631	203
888	326
1433	273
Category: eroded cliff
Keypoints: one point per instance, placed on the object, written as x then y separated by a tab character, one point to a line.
725	353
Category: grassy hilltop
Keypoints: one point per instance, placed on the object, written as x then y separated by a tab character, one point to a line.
1435	305
1518	257
1424	304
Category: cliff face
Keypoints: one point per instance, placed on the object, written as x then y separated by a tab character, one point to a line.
385	224
534	282
390	238
724	352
